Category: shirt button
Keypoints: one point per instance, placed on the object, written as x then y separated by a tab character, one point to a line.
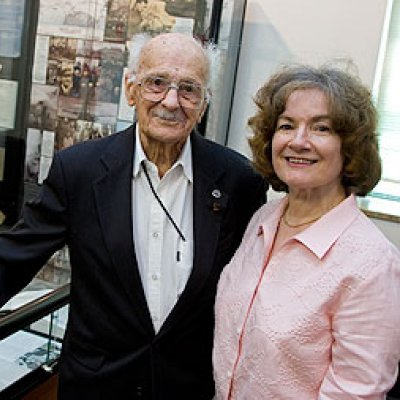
155	234
238	331
154	277
229	374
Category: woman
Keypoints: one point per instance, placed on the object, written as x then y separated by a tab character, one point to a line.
309	306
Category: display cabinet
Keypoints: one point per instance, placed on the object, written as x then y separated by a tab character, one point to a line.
61	82
32	327
18	20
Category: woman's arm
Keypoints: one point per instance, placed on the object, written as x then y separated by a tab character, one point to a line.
366	333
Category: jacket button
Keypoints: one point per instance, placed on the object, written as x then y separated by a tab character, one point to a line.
139	391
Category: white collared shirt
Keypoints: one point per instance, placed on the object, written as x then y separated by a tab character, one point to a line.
165	261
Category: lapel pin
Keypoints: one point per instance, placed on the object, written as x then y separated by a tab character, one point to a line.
216	206
216	193
260	231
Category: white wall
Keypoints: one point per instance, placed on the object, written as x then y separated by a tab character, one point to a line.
312	31
390	229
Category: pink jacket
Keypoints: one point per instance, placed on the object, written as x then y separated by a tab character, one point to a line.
323	319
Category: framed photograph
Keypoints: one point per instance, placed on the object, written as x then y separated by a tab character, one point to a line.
43	107
72	18
116	25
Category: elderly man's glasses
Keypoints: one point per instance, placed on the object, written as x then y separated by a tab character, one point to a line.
190	94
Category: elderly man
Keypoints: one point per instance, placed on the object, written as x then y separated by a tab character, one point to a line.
150	215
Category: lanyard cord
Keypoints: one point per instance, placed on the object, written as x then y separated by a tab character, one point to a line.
169	216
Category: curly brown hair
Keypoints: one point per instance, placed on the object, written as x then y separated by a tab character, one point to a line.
353	116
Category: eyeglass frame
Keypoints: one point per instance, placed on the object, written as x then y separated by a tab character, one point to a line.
173	85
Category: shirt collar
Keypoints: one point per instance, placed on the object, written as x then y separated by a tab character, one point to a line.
185	158
139	155
322	234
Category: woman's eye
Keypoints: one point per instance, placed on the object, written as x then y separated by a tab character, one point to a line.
322	128
284	127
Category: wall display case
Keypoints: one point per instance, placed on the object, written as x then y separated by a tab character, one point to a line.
18	20
61	82
62	67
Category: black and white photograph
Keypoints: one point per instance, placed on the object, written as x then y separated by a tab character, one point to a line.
72	18
43	107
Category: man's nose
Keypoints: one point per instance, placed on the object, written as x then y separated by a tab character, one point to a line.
171	98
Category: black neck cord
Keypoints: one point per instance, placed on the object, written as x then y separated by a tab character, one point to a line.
169	216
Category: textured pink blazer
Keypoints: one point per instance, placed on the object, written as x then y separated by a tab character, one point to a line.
320	321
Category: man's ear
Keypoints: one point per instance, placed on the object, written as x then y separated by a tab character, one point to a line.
203	110
130	88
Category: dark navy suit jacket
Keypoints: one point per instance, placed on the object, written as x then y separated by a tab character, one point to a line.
110	349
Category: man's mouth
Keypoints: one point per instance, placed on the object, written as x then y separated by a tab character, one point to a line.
168	116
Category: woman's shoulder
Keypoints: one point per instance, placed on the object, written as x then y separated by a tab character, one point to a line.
368	234
366	245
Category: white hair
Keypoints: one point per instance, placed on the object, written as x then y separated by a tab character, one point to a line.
135	46
210	50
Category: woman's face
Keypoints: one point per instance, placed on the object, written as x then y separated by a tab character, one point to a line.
306	152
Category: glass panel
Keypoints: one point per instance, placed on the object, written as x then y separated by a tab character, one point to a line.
11	24
17	31
36	346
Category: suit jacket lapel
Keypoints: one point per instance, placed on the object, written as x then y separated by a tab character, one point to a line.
209	202
114	205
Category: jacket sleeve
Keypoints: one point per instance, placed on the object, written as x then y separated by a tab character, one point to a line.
366	333
40	231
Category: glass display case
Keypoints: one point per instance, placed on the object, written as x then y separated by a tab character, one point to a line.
18	19
61	82
31	333
61	76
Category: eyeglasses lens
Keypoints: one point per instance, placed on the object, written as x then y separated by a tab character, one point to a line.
155	89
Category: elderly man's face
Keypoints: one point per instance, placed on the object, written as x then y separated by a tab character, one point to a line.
178	59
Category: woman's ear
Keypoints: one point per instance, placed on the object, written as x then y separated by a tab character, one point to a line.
130	88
